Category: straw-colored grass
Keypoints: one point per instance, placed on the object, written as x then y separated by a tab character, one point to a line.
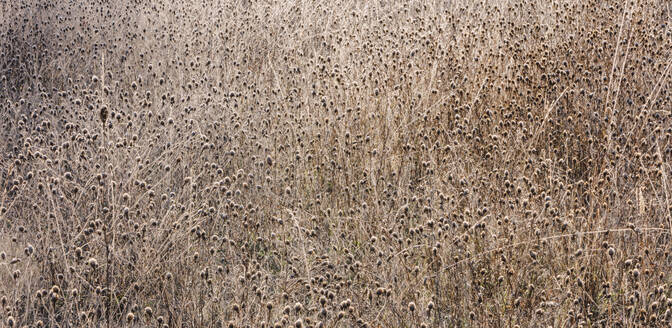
335	164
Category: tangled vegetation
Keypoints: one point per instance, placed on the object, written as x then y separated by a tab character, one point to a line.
300	164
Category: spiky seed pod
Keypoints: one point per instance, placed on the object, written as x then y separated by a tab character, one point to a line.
103	114
93	263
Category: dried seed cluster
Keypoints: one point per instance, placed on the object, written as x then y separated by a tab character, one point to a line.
335	164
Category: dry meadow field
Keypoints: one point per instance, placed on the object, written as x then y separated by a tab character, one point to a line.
265	163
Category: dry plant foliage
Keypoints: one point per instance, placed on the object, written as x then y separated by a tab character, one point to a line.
335	164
